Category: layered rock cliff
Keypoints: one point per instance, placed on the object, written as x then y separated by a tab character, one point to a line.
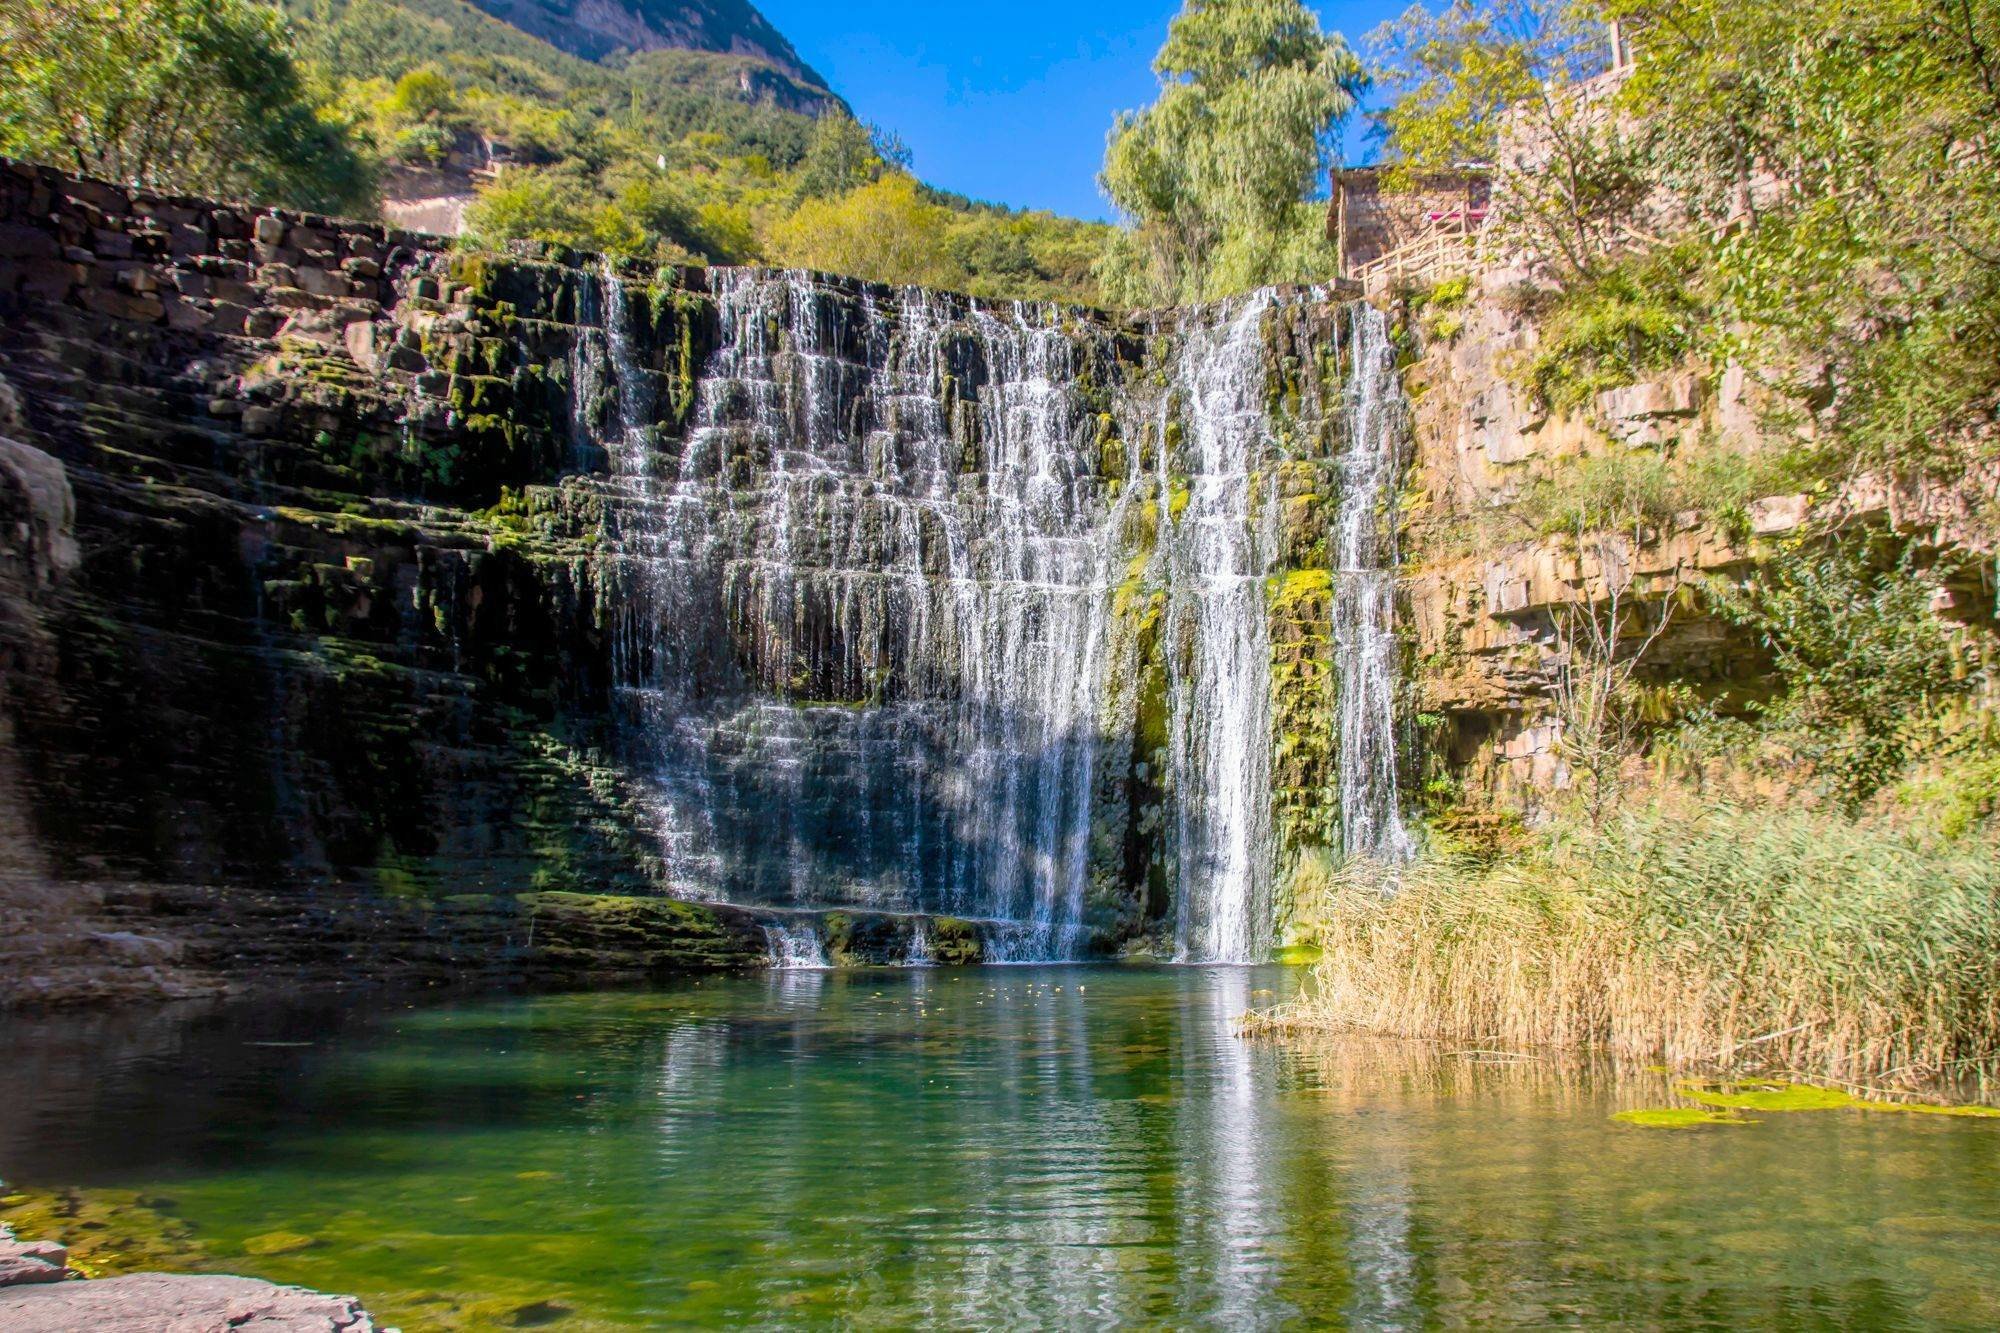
378	606
594	29
1490	575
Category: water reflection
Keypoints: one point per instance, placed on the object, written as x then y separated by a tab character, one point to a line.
1000	1147
1225	1139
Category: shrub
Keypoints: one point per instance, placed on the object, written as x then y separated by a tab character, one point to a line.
1634	319
1864	661
886	231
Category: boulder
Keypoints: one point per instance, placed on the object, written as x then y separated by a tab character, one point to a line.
165	1303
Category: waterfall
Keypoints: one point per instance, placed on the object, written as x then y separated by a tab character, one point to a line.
920	952
1220	654
1371	821
865	577
869	601
795	947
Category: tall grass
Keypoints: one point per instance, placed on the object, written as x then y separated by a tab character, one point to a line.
1788	939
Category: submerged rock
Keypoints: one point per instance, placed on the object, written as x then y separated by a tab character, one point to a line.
23	1263
185	1304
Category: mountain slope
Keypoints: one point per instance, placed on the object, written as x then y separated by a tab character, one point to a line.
743	96
595	29
672	153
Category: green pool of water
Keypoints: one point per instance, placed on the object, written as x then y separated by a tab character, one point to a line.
1002	1147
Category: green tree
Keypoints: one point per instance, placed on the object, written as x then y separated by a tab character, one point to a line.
531	205
1213	174
1451	78
645	214
1864	659
424	94
200	96
840	157
887	232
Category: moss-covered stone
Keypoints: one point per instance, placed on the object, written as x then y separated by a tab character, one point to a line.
108	1231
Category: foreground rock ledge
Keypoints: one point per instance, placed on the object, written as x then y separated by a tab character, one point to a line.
166	1303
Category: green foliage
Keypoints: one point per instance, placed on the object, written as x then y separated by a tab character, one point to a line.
529	205
1864	661
1828	169
886	231
1441	309
1213	173
1961	795
840	157
1628	489
1451	77
421	144
1618	490
198	96
1616	327
424	94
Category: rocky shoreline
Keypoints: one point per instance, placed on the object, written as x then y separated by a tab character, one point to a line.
41	1293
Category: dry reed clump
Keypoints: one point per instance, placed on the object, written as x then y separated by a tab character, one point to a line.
1784	939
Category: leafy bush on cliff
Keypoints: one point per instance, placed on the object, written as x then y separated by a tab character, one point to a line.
1864	663
1614	327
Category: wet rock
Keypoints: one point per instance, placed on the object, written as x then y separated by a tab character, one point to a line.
152	1302
24	1263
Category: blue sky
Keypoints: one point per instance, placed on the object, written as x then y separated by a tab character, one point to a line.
1007	101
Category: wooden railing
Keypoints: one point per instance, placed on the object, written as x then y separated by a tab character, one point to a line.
1430	258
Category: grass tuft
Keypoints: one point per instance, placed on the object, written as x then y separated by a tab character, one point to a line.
1729	938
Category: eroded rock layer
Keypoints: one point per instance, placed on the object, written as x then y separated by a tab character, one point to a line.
430	609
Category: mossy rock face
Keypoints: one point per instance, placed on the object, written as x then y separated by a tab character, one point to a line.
956	943
598	933
867	940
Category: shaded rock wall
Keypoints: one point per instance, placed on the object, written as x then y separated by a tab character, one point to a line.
322	620
318	608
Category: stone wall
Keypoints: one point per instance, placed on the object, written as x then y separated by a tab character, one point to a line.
298	599
1366	221
311	642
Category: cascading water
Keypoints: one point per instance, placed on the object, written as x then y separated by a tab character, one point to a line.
795	947
867	585
870	602
1371	820
1220	655
921	953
